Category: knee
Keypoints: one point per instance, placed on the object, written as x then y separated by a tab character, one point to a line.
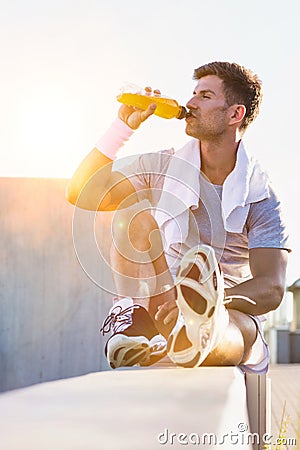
246	325
134	229
230	351
247	328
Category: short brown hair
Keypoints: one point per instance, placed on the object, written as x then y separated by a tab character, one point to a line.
240	86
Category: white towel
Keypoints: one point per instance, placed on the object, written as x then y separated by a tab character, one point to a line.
246	184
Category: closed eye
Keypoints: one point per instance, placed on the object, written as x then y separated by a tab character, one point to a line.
205	93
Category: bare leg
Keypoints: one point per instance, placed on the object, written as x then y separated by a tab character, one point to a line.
235	347
138	262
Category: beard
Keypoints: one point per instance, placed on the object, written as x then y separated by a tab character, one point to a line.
207	125
203	131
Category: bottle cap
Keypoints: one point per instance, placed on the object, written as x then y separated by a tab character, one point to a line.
182	113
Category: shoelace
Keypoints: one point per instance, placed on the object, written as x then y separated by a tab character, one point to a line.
116	318
229	299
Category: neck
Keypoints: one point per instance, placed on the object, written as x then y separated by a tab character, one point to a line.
218	158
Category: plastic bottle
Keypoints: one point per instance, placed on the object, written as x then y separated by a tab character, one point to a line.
167	108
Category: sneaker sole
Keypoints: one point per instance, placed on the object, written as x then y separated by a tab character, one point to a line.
158	349
190	339
123	351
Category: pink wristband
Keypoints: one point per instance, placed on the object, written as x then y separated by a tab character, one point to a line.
116	136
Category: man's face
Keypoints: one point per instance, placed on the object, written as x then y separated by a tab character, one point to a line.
208	118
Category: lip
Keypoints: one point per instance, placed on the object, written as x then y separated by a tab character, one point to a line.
189	114
188	117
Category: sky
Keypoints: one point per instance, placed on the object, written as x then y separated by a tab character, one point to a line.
64	61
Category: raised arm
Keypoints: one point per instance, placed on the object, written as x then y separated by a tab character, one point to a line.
94	186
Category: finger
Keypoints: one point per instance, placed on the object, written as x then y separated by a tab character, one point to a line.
171	317
125	111
148	112
164	309
161	312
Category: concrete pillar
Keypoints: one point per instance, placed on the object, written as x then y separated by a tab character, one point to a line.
295	289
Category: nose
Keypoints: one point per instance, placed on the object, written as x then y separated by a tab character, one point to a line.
191	104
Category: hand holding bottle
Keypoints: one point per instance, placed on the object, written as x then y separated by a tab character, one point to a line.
143	103
133	117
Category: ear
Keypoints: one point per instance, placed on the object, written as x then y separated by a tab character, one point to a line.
237	113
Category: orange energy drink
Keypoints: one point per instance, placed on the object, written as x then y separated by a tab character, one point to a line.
167	108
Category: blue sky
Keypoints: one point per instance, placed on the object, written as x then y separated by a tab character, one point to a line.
62	63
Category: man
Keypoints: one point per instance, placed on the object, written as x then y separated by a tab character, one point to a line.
220	222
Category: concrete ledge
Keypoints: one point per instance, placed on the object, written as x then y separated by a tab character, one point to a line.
127	409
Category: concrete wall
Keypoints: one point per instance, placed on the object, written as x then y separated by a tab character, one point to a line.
51	306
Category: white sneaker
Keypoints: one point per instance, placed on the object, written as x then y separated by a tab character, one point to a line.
202	318
135	339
